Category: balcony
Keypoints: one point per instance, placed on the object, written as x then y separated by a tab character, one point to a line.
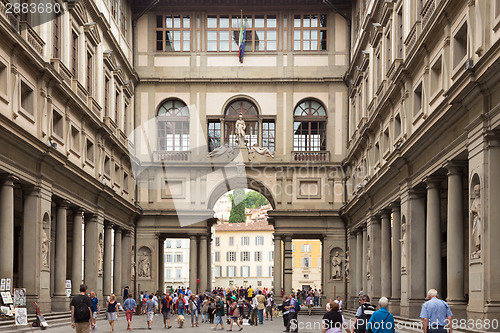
427	11
311	156
62	69
12	18
31	36
171	156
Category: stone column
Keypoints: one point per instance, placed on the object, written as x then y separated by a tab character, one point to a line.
396	252
277	274
126	259
455	235
288	265
7	227
193	262
61	241
374	255
209	263
106	274
203	267
91	252
365	261
117	263
32	259
161	264
359	262
351	277
77	256
386	255
433	236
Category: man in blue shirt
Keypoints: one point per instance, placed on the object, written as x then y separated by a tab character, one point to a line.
436	314
293	324
130	306
188	292
94	307
382	321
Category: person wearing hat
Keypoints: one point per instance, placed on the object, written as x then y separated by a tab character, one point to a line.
234	314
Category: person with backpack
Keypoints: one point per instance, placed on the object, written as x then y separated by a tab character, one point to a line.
382	321
112	313
363	314
293	310
181	305
219	313
80	311
166	307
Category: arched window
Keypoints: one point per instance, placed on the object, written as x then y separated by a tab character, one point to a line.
309	126
173	126
251	117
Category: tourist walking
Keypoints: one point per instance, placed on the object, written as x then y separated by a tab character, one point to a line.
436	314
130	307
204	310
309	303
261	305
293	308
219	313
80	311
112	311
333	321
150	311
166	307
284	309
180	304
234	314
363	314
382	321
193	309
94	308
269	307
211	307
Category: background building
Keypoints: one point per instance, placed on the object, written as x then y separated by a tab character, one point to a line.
306	264
176	263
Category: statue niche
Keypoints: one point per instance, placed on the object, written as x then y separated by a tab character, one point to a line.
475	212
336	262
144	263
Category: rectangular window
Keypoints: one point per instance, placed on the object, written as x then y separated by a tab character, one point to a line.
116	174
223	32
75	139
57	124
90	68
178	258
117	105
213	134
74	54
178	243
90	151
245	240
285	33
377	154
258	256
107	166
168	244
231	241
231	271
173	33
231	256
387	141
168	258
106	97
271	255
125	182
306	262
27	99
259	240
460	45
399	30
56	36
218	271
168	274
178	273
217	241
259	271
217	256
417	99
436	77
388	50
245	256
245	271
3	78
397	126
293	247
309	32
268	134
125	117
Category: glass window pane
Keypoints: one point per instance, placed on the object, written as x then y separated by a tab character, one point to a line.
271	46
198	22
271	35
259	21
186	21
235	21
271	21
247	22
224	21
212	35
306	23
212	21
314	21
285	21
159	21
168	21
323	21
296	21
259	41
248	38
177	21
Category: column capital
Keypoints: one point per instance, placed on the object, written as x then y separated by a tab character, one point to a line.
395	207
108	225
193	237
118	230
433	181
277	237
203	237
79	211
492	139
8	179
454	167
414	193
288	238
364	227
351	234
385	213
62	204
375	219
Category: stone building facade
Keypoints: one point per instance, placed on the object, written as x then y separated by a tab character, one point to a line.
423	154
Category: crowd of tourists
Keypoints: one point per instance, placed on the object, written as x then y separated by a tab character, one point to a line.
228	308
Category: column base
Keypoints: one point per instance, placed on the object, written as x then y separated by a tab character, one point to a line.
394	306
459	308
60	303
412	309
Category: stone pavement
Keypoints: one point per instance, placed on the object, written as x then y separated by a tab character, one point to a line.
139	324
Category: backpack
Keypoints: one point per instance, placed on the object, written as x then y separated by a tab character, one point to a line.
297	306
366	312
82	313
180	303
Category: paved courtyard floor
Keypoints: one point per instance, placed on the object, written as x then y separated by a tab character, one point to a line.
139	324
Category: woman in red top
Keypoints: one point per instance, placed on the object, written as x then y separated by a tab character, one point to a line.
235	314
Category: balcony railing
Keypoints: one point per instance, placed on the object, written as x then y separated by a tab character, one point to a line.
32	37
427	11
311	156
13	19
171	156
